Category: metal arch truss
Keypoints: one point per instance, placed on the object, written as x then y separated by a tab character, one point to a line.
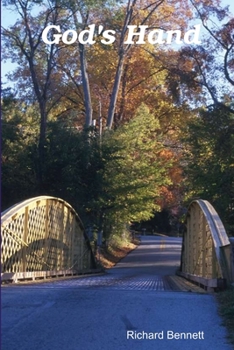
206	249
43	237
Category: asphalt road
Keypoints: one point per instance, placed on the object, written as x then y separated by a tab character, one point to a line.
130	307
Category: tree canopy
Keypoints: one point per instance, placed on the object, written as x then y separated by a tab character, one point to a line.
123	130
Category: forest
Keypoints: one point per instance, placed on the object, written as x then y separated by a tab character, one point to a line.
127	134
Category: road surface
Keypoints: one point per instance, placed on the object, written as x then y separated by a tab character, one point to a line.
131	307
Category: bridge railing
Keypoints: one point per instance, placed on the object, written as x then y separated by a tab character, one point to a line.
206	251
43	237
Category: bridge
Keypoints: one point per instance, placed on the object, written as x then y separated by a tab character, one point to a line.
207	256
43	237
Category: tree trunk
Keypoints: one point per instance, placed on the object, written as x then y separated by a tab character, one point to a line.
85	77
122	53
41	148
86	87
114	95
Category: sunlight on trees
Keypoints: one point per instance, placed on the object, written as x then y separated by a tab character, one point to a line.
120	131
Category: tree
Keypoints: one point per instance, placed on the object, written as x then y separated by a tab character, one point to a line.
73	83
83	14
111	181
78	69
221	39
210	161
140	13
23	44
204	73
19	156
135	172
109	68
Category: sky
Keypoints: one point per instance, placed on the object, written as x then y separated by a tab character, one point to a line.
9	18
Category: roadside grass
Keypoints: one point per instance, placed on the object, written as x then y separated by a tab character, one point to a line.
115	251
226	310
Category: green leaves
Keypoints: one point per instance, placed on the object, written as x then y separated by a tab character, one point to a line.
110	181
19	132
135	171
210	170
